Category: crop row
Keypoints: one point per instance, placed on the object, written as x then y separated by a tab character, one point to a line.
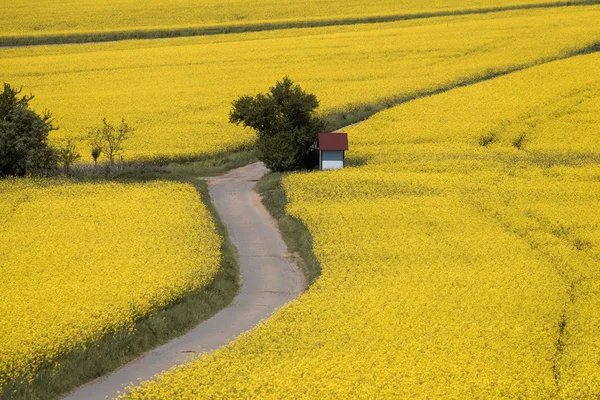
177	93
84	260
38	18
452	267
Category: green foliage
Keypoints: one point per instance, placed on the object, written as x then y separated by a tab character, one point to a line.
96	152
109	140
23	136
68	154
286	124
296	235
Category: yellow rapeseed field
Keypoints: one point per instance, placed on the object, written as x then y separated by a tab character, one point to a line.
83	260
177	92
459	256
42	17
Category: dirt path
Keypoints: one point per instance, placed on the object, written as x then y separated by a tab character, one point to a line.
269	280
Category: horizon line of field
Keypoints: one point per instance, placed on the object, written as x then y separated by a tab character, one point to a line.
208	30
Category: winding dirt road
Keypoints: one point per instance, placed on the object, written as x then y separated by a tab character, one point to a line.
268	280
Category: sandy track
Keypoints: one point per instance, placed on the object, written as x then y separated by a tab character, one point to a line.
268	280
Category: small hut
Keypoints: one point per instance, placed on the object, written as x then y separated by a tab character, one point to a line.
331	150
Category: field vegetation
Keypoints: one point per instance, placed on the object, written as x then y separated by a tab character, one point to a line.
460	261
456	257
177	93
24	146
83	263
26	22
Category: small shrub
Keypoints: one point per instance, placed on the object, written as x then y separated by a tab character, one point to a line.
110	140
68	154
96	152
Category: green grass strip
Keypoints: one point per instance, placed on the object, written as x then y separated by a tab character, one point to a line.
87	37
355	113
295	234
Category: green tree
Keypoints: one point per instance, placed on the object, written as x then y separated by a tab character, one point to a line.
96	152
68	154
110	140
24	145
286	125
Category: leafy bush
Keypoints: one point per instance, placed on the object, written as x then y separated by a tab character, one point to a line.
286	124
23	136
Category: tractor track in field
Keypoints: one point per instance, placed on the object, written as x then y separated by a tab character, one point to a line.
269	279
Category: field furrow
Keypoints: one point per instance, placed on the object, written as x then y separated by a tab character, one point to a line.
452	266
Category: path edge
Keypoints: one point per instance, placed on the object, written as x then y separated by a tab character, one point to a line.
93	360
294	232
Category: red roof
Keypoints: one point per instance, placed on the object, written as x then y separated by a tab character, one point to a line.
333	141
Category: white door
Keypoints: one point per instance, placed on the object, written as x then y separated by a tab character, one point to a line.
332	159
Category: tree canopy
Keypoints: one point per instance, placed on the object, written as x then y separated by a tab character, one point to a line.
23	136
286	125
